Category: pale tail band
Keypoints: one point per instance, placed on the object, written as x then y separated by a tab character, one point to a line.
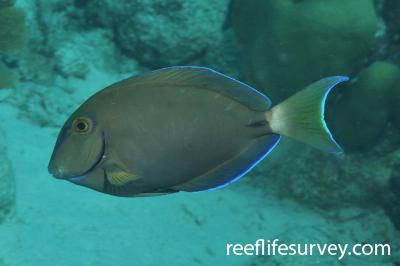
301	116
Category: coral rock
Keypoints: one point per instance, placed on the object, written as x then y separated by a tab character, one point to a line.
289	44
12	28
361	114
7	185
7	77
324	181
159	32
4	3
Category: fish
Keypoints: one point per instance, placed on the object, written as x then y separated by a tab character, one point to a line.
184	128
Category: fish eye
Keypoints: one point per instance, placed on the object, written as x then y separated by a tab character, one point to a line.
82	125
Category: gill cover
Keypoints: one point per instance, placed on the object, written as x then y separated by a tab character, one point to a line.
79	147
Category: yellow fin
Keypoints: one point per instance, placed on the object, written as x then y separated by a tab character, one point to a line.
301	116
120	178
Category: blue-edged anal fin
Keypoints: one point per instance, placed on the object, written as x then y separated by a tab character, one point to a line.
231	170
157	193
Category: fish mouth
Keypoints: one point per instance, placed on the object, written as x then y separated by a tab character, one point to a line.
76	179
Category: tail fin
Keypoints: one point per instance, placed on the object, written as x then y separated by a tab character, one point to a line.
301	116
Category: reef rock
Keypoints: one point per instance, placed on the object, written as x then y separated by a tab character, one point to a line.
161	32
12	36
395	104
7	77
4	3
12	27
59	69
328	181
289	44
392	198
365	106
71	52
223	56
100	39
7	185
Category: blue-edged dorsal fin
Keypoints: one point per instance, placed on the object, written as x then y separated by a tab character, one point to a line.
206	78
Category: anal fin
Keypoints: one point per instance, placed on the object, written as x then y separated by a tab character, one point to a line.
233	169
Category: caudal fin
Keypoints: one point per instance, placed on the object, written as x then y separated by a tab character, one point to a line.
301	116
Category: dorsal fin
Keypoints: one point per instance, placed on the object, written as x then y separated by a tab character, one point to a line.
205	78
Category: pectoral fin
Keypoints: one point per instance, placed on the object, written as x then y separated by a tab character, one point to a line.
118	177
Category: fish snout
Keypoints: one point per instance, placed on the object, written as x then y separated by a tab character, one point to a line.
57	171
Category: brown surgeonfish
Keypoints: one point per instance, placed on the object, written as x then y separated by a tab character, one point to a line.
182	129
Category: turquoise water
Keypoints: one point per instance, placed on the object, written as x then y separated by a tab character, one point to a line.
55	54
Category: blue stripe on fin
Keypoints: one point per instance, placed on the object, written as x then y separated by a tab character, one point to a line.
248	169
336	80
248	87
205	78
234	169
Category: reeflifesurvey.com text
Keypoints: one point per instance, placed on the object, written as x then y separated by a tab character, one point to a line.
262	247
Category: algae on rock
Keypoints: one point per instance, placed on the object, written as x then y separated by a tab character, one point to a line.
162	32
12	35
289	44
4	3
392	198
395	104
7	185
363	110
7	77
327	181
12	28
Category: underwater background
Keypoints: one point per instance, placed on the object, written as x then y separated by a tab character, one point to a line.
54	54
